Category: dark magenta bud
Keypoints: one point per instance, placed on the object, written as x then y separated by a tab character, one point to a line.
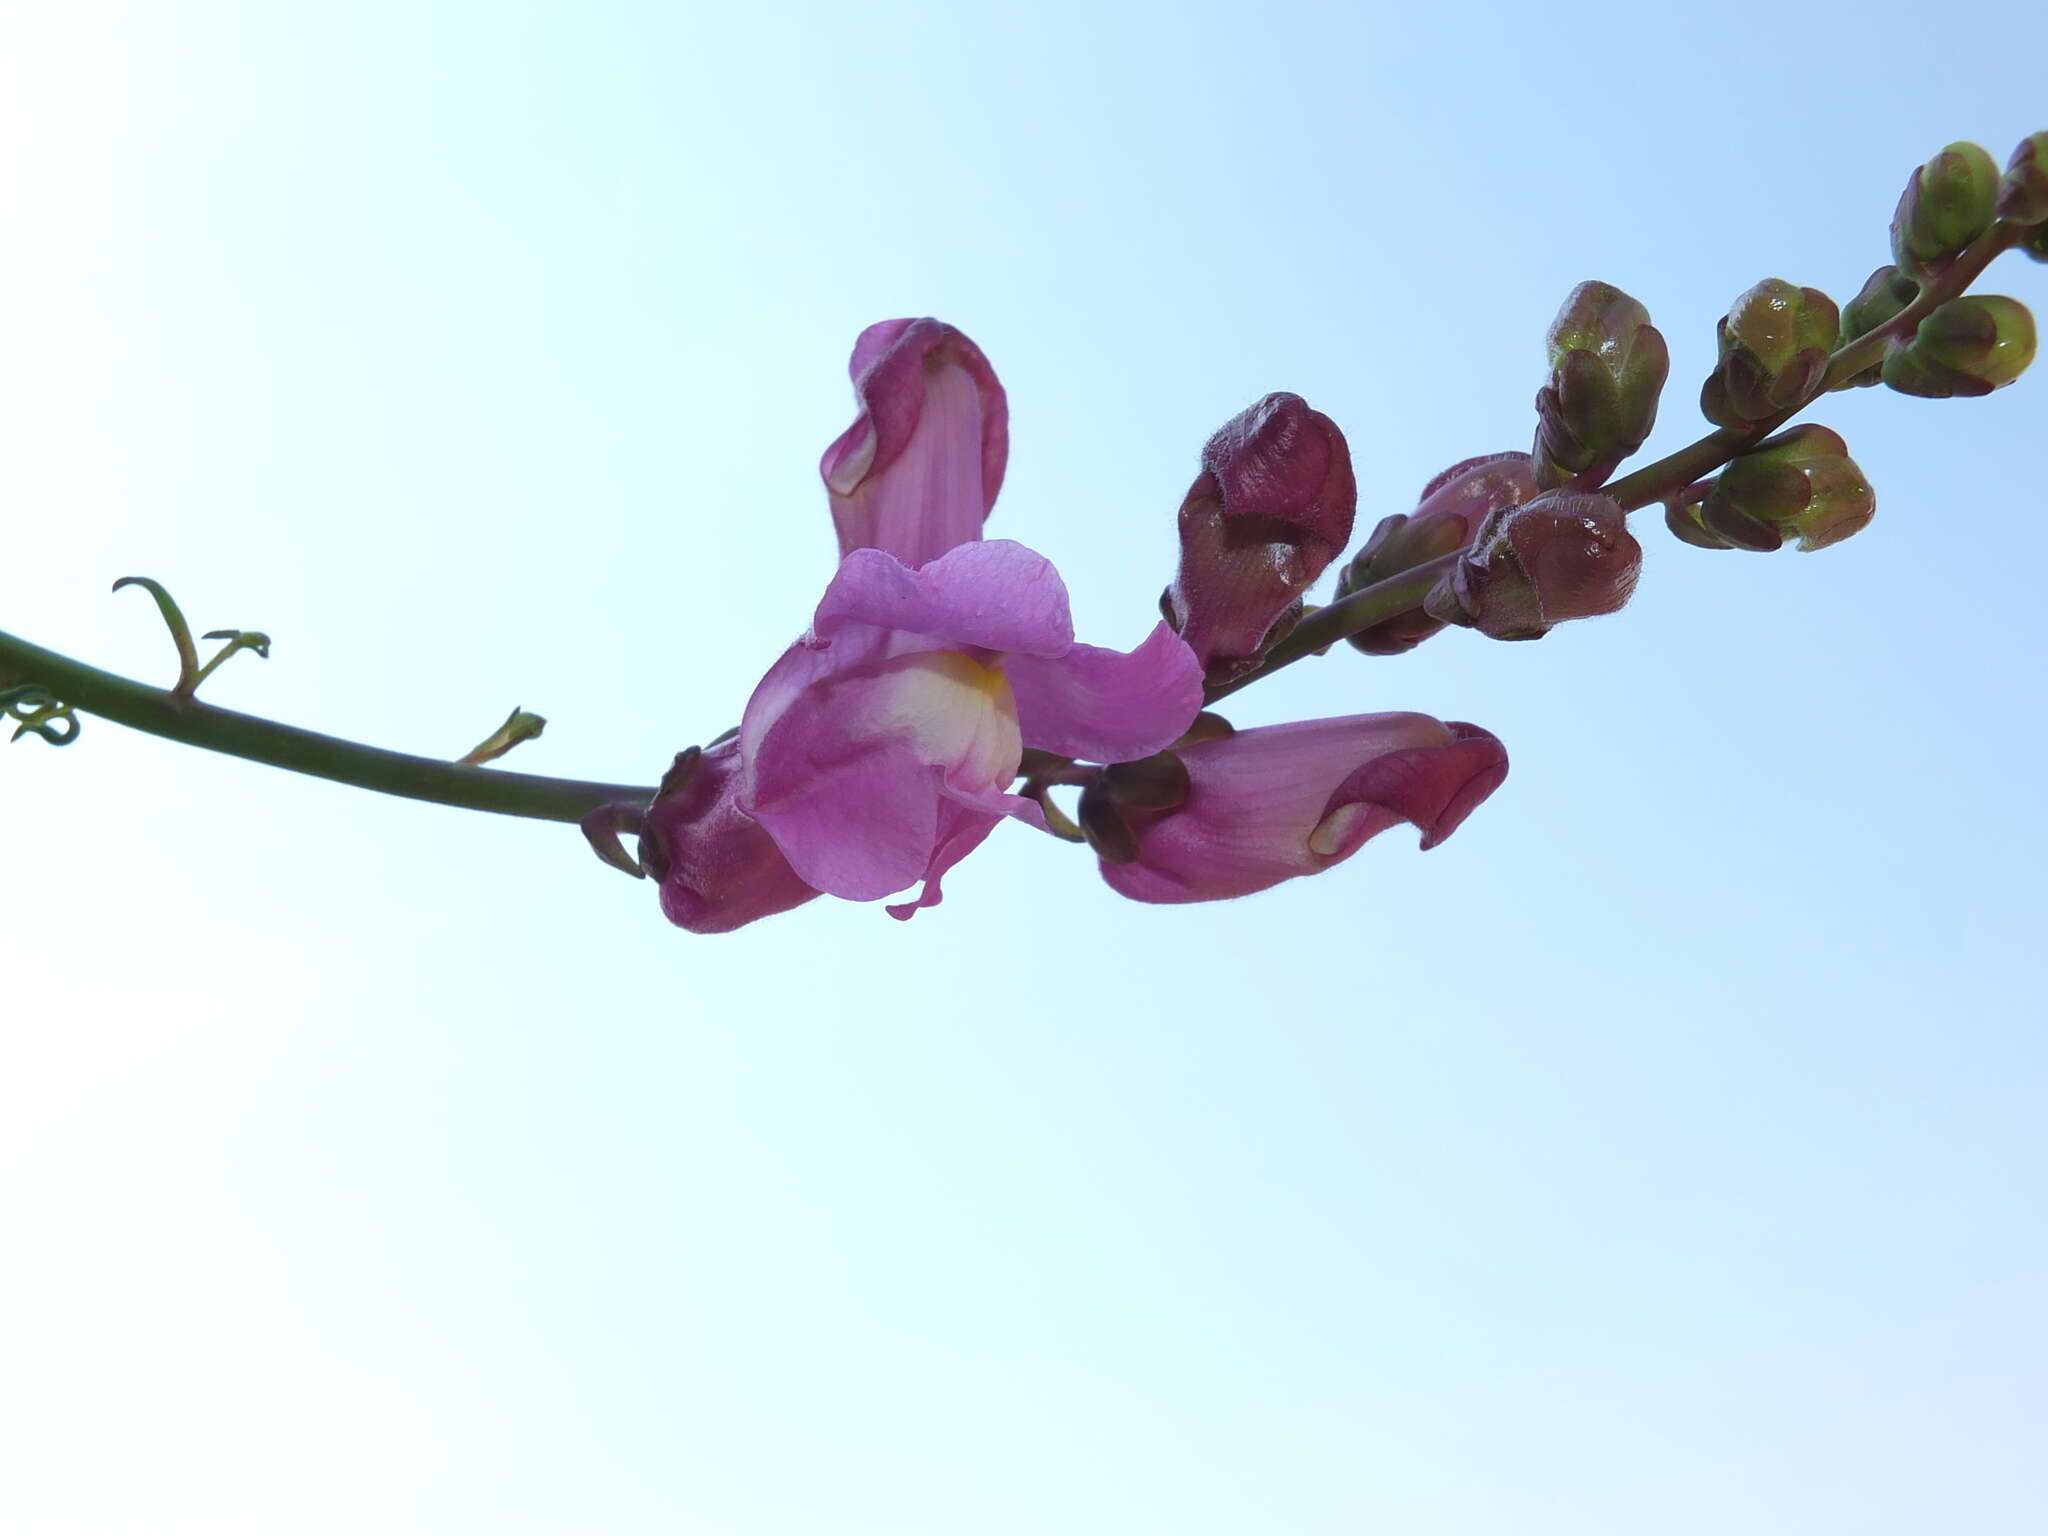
1775	343
1969	346
1567	555
1452	508
1800	484
718	869
1607	367
1947	203
1270	510
2023	193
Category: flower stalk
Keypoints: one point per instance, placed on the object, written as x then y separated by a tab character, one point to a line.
163	712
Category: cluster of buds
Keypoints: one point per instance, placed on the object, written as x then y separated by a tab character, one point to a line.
1607	368
1800	485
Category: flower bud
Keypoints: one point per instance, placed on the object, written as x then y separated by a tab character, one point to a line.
1607	367
1775	344
1682	517
1453	506
2034	244
1882	299
1567	555
1969	346
718	869
1271	508
1266	805
2023	193
1947	204
1800	484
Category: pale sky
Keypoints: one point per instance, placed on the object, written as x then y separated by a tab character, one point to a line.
1661	1154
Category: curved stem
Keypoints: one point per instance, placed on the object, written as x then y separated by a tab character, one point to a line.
161	713
1347	616
1674	472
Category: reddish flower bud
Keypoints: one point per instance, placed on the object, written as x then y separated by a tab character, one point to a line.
1266	805
1775	343
717	867
1272	507
1568	555
1453	506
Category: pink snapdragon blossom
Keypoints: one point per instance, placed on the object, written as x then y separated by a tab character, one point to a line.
879	750
1269	804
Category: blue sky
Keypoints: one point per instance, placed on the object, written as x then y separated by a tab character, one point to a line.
1661	1153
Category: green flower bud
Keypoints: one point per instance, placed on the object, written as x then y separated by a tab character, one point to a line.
1881	300
1969	346
1946	205
1800	484
1607	367
2023	194
1775	345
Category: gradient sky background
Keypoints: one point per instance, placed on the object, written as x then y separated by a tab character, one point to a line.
1663	1154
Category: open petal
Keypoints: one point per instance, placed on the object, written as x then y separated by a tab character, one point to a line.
1433	788
919	469
1108	706
997	595
966	817
862	828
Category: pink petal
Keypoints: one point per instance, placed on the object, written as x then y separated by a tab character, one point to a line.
1274	803
997	595
919	469
861	827
1108	706
854	775
965	820
1432	788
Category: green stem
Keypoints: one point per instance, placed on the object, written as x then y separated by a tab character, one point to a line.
157	711
1674	472
1347	616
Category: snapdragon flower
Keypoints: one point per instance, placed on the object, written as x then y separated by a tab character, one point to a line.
878	751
